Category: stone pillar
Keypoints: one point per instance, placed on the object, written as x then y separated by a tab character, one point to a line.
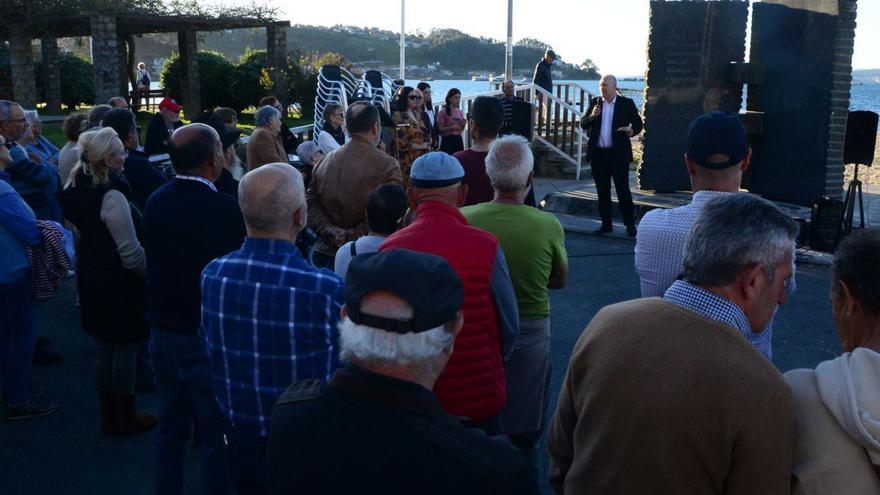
799	156
122	56
105	57
276	46
188	45
24	87
690	49
51	74
841	82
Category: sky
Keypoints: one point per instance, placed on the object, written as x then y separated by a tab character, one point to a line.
613	34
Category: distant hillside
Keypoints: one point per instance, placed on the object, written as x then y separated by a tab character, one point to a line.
442	53
866	76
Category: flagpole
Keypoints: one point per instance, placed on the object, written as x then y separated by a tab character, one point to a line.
403	39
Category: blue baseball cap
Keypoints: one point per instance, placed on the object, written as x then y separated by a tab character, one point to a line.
717	133
434	170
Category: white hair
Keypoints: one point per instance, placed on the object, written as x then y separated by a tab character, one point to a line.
373	345
265	114
31	116
509	163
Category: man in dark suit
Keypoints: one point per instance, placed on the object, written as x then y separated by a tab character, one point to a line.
612	120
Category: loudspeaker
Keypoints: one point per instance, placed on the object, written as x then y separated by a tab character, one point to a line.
825	218
521	119
861	137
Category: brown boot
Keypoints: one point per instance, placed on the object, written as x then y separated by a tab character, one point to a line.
108	411
128	420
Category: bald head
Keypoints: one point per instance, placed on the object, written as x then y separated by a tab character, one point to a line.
273	201
608	87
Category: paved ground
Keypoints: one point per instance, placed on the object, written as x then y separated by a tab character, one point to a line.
65	454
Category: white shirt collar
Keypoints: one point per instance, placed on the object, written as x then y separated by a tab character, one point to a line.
197	179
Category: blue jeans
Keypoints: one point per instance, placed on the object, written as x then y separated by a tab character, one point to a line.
247	462
184	391
18	336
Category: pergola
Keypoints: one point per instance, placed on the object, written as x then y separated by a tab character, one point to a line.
113	40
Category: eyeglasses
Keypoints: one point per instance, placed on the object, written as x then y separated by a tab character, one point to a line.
17	121
415	97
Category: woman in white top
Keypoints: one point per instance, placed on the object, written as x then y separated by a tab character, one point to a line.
332	135
837	405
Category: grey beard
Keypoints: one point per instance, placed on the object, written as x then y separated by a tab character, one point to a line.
235	168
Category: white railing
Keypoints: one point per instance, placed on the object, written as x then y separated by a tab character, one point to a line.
555	118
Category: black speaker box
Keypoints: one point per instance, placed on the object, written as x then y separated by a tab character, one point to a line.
825	219
861	137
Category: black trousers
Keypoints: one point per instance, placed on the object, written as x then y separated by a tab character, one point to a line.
604	168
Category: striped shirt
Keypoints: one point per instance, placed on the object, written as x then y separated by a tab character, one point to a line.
268	319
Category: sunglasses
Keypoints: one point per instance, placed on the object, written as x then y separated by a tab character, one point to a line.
415	97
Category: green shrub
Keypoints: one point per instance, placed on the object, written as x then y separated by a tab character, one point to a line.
215	77
249	80
77	81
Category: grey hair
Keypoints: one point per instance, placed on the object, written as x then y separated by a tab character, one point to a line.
272	210
373	345
306	151
6	109
612	77
732	233
31	116
265	114
509	163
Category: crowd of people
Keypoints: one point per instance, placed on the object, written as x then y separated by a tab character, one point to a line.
412	344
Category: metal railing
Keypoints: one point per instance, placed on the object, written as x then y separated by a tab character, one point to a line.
555	117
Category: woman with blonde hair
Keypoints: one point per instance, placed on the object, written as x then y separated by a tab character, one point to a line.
111	270
837	405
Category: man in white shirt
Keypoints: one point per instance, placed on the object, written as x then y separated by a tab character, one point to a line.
611	121
386	206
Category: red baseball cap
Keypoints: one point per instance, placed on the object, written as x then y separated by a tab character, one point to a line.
169	103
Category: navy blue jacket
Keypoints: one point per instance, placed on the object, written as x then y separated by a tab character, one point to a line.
37	183
185	226
543	77
143	177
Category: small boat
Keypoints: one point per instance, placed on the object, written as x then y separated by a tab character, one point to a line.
482	78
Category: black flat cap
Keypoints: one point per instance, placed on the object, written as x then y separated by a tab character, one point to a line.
426	282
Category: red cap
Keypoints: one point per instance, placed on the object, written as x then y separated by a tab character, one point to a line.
169	103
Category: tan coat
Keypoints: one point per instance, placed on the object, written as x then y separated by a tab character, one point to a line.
337	195
265	146
659	400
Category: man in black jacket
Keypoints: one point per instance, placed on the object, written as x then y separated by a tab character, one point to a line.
543	77
612	120
187	223
159	130
376	427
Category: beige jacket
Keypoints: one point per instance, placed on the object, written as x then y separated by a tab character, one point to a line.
837	425
265	146
659	400
341	182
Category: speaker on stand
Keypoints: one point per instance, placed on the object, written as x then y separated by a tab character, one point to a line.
858	149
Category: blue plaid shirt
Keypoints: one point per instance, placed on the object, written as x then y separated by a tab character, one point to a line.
717	308
268	318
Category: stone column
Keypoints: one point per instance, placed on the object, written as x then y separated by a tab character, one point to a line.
841	82
51	74
276	46
122	56
24	87
187	42
799	156
105	57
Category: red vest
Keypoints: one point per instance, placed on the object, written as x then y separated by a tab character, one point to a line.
472	385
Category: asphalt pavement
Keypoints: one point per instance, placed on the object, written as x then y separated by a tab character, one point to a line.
65	454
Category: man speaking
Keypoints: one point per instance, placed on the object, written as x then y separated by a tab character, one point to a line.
611	121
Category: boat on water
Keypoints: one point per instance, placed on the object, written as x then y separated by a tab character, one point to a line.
482	78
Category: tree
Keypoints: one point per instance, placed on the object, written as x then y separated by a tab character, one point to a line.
77	80
589	66
533	43
214	78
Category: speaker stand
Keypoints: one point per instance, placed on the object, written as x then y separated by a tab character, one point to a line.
853	195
